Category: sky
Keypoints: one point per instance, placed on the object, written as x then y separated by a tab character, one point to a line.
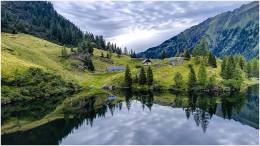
139	25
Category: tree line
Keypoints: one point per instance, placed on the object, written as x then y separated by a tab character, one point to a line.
233	68
39	19
143	78
200	81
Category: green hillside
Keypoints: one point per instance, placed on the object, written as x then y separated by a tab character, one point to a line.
21	51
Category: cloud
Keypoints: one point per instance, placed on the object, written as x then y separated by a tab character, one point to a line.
140	24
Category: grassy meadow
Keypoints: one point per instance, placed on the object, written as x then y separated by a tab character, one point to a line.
21	51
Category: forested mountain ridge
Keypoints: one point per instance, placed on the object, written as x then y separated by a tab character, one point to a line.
39	18
229	33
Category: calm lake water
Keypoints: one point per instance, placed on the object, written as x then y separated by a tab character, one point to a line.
145	119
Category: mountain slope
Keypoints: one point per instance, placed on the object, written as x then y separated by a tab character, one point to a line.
228	33
38	18
22	51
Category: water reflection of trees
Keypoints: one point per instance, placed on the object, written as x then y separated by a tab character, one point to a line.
30	109
200	107
145	97
203	107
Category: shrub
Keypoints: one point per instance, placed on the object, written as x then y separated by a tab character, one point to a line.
36	83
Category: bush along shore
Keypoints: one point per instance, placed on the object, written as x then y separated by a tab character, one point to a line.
35	83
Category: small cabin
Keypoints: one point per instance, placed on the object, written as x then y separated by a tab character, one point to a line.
176	60
147	62
115	68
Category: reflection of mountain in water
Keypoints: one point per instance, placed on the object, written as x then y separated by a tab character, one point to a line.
201	108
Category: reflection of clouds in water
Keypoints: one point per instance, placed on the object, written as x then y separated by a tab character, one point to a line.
163	125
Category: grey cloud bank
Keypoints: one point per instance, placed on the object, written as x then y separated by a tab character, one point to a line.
140	24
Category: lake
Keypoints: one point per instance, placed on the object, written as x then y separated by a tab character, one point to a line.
153	118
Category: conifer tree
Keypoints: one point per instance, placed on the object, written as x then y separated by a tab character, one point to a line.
231	65
142	76
224	68
149	76
128	77
187	55
241	60
201	49
248	69
212	81
90	48
192	80
107	55
236	81
202	75
89	64
212	60
163	55
237	73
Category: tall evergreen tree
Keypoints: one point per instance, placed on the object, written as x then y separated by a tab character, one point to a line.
212	81
89	64
212	60
149	76
128	77
240	60
236	80
237	73
201	49
231	65
187	55
192	80
163	54
249	70
224	68
107	55
142	76
202	75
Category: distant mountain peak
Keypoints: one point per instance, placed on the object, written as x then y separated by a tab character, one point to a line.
228	33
